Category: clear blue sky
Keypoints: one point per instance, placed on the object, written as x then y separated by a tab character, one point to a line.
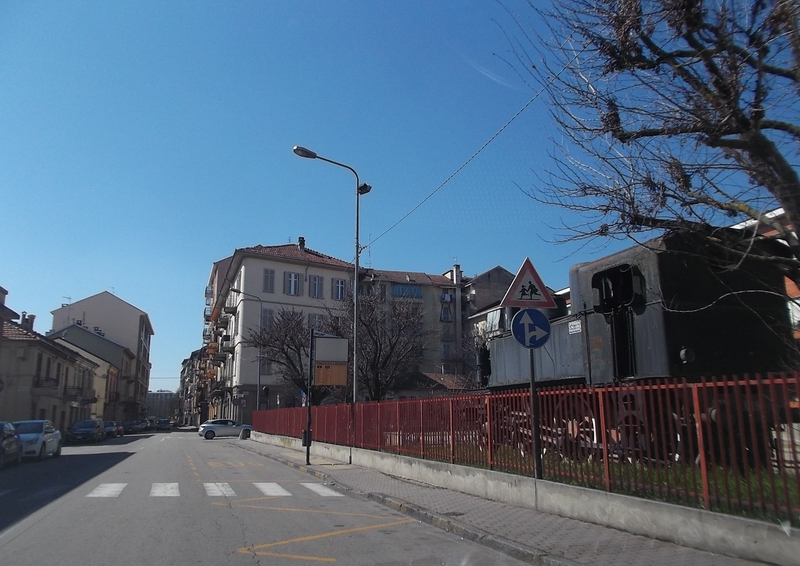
142	141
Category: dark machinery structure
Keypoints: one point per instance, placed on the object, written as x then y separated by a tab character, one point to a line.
669	308
673	309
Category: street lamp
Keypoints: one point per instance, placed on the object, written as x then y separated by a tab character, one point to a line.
260	326
361	189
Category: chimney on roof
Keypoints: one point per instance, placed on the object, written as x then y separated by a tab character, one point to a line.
27	321
301	243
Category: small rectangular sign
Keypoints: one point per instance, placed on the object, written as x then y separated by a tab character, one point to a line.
330	373
574	327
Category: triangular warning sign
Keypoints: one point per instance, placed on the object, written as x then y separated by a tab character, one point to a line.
527	290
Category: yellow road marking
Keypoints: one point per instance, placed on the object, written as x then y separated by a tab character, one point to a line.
259	550
298	510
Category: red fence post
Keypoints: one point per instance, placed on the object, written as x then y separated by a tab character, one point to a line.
452	434
606	463
701	447
489	439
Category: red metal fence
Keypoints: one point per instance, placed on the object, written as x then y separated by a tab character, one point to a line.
730	444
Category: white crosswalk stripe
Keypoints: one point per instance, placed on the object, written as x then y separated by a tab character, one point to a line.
272	489
107	490
322	490
212	489
164	490
219	490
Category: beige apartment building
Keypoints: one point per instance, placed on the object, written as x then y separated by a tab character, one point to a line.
42	379
248	287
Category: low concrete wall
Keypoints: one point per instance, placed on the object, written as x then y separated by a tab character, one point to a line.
694	528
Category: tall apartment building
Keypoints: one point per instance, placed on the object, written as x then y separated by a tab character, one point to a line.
291	276
121	322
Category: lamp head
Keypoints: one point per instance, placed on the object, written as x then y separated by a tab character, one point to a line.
235	290
364	189
303	152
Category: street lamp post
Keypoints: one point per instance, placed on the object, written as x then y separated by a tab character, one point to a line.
260	326
361	189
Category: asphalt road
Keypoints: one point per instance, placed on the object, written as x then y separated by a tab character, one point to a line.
175	498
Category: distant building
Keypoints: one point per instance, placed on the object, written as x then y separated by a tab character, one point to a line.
107	315
162	404
117	401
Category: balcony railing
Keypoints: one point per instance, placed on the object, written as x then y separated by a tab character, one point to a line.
73	393
45	383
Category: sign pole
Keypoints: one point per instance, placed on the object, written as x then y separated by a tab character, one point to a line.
535	428
531	328
308	396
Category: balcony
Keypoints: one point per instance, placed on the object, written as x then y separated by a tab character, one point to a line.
207	314
73	393
45	386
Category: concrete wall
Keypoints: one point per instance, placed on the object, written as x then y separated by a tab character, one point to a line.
694	528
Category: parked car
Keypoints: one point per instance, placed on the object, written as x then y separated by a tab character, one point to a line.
40	438
163	424
130	427
87	430
120	428
221	427
111	429
10	445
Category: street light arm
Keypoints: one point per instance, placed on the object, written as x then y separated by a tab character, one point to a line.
358	183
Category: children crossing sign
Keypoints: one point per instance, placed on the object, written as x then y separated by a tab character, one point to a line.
527	290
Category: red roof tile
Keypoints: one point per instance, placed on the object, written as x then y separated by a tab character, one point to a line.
13	331
411	277
293	251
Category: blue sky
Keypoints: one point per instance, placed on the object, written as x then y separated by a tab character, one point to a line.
142	141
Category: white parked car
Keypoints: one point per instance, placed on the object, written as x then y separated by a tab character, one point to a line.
221	427
39	439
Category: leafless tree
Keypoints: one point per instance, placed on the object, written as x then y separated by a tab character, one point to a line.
677	115
390	341
283	340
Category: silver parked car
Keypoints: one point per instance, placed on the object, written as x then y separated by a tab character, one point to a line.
39	438
222	427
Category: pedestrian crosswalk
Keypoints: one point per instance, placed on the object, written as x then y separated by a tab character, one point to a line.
217	489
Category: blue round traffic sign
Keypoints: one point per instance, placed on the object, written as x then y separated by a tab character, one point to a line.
531	328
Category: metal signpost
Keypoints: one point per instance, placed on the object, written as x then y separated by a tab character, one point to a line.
531	328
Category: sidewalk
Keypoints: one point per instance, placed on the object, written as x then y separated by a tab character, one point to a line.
531	536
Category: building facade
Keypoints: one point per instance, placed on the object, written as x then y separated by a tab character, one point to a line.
107	315
42	379
225	378
118	399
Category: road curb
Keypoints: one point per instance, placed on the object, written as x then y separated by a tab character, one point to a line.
448	524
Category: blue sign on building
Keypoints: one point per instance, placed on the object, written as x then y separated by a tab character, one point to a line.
531	328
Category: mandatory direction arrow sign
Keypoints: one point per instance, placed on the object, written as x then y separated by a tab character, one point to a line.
531	328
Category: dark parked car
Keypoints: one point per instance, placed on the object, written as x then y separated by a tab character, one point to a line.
163	424
88	430
10	445
130	427
111	429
